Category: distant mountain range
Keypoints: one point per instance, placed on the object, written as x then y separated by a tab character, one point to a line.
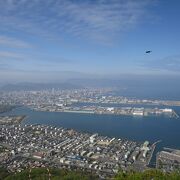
39	86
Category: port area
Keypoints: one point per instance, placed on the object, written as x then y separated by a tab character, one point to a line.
144	164
10	120
130	111
168	160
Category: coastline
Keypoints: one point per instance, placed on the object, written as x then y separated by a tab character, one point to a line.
138	114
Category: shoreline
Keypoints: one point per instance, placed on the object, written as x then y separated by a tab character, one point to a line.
173	115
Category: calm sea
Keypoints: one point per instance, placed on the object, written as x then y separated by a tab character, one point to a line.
128	127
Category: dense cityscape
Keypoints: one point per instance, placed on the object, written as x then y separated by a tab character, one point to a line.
59	147
84	95
29	146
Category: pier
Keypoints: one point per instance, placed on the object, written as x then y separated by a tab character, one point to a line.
175	114
152	152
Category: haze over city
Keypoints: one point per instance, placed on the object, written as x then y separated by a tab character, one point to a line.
53	40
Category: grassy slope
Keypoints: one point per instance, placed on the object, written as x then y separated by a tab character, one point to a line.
56	174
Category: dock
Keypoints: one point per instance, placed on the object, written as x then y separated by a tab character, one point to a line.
174	114
153	149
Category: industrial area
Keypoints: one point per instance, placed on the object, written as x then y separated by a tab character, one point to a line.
97	101
130	111
168	160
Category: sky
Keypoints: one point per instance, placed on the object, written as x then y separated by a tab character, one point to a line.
50	40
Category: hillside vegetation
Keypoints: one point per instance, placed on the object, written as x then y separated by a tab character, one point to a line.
57	174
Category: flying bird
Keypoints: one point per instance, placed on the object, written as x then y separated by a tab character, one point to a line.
148	52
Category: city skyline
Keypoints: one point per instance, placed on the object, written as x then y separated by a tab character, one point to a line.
53	40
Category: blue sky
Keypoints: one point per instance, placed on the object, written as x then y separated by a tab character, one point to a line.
48	40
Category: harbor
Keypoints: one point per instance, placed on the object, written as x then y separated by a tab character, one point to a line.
128	111
110	125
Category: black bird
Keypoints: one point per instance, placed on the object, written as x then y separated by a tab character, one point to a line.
148	52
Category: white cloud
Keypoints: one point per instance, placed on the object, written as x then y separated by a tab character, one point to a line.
99	20
10	55
169	63
13	42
